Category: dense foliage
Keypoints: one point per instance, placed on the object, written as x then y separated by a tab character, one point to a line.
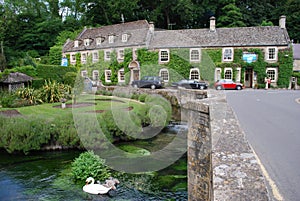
89	164
39	28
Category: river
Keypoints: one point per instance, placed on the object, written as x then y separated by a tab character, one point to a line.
41	176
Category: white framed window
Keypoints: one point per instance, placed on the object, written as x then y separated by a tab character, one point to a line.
194	74
111	39
95	75
272	73
95	56
164	73
98	41
84	73
164	56
73	58
107	55
124	38
218	72
86	42
107	75
83	57
76	43
121	54
228	73
227	54
121	75
194	55
272	53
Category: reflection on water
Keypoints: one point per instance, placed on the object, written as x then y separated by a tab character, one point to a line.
39	177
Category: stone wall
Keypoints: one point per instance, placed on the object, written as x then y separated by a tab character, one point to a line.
221	164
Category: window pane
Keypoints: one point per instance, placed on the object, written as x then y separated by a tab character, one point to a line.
122	75
228	74
271	53
165	75
108	75
227	54
121	54
164	56
271	74
107	55
195	56
194	75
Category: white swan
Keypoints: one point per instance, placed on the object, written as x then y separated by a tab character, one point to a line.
92	188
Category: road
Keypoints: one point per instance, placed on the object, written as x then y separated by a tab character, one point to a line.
271	121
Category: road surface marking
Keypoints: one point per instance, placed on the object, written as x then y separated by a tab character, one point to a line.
272	184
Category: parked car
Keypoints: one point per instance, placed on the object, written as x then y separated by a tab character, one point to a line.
152	82
190	84
228	84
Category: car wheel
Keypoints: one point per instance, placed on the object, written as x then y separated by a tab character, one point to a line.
135	86
238	87
153	86
201	87
219	87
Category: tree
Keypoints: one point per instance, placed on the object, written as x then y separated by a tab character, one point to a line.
230	15
254	11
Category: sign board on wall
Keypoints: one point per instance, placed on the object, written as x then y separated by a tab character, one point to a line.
249	57
64	61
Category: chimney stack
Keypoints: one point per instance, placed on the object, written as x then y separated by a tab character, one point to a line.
151	27
212	24
282	21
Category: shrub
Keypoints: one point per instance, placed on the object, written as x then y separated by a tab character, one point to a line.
29	95
52	91
90	165
7	100
23	134
142	97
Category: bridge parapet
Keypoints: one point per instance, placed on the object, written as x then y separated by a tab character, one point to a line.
221	163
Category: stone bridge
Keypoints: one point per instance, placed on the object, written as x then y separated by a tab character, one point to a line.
221	164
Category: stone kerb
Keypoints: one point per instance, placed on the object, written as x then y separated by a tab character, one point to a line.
221	164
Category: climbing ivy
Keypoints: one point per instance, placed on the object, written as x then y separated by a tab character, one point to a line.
179	65
285	70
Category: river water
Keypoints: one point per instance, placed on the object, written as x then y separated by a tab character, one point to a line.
40	176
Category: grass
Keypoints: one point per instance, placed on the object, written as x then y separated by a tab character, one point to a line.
48	110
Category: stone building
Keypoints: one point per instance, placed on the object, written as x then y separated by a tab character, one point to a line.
238	50
13	81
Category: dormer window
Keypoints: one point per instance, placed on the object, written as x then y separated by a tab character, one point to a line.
86	42
76	43
124	38
111	39
98	41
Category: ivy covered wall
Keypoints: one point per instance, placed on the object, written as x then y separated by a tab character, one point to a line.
179	65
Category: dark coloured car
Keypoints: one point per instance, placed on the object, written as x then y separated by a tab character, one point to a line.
191	84
152	82
228	84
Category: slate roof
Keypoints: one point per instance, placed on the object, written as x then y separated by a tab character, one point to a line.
296	51
15	78
222	37
137	35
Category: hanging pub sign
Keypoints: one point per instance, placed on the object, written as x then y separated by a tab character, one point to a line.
249	57
64	61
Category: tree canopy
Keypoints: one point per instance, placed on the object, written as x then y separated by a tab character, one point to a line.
32	27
